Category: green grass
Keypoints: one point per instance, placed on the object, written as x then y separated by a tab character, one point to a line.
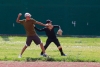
77	49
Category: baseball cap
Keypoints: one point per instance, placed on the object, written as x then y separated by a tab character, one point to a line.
48	21
27	14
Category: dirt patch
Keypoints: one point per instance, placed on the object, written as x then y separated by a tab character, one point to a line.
48	64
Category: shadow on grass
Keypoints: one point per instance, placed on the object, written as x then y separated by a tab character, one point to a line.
5	38
28	59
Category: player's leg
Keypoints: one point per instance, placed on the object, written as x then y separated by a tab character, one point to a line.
57	43
37	41
48	41
28	42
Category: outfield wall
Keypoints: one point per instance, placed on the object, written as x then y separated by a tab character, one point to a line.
76	17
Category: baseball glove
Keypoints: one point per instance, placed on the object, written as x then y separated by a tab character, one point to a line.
59	32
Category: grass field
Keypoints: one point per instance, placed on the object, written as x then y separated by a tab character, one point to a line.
77	49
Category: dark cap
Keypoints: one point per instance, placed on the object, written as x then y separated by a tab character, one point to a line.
48	21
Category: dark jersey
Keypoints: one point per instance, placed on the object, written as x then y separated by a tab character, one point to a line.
50	33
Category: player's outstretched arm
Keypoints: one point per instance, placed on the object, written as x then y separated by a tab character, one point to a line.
43	29
39	23
18	18
57	26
